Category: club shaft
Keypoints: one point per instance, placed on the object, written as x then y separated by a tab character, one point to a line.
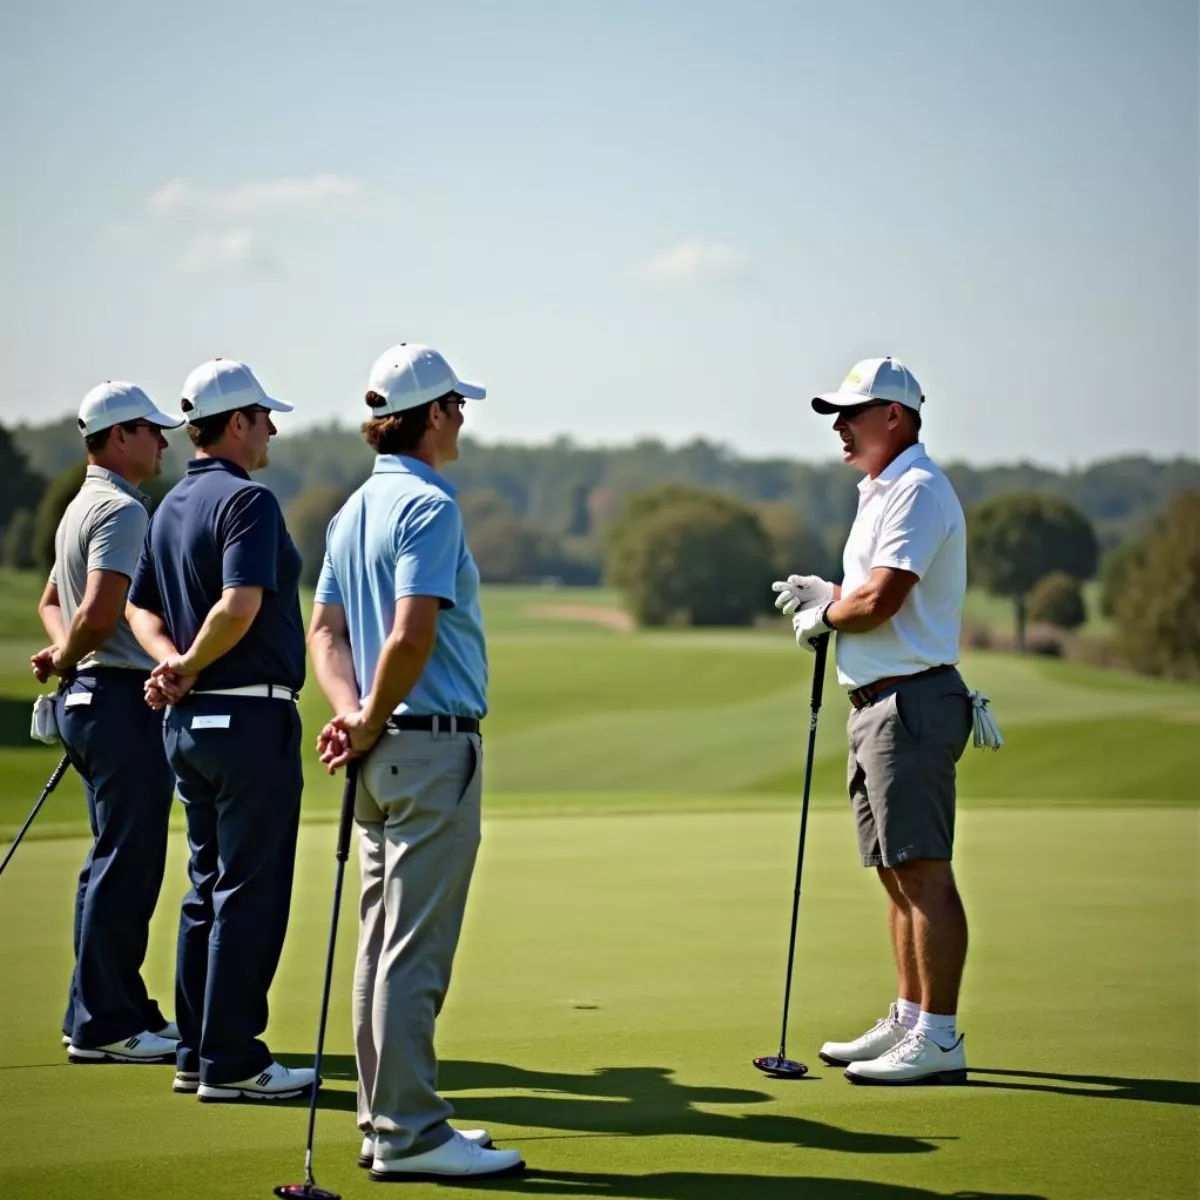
51	784
817	690
343	849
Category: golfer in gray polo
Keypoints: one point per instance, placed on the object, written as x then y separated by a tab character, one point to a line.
896	617
398	648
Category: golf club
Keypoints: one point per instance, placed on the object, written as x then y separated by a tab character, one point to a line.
51	784
779	1065
308	1190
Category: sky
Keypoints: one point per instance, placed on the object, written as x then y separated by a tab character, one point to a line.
628	218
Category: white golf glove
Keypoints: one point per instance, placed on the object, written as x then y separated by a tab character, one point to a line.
810	626
800	592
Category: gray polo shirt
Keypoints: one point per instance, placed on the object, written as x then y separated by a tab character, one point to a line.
102	530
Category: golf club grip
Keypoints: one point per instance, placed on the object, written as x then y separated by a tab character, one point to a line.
347	818
818	686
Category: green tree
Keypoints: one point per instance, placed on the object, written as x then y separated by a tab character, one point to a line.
1158	607
20	486
690	556
17	550
54	503
1057	599
506	549
1116	569
308	517
796	548
1013	541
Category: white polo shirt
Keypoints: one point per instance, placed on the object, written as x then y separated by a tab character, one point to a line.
908	518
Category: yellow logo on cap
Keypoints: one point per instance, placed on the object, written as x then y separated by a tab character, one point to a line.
854	377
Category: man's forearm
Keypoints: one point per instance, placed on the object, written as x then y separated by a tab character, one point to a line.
858	612
333	665
221	631
151	633
400	666
53	624
85	635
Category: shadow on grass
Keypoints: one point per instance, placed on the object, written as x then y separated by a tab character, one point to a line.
690	1185
1097	1087
622	1101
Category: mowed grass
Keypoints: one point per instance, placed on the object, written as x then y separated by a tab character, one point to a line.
582	715
625	944
615	978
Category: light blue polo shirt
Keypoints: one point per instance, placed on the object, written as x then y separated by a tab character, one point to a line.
401	534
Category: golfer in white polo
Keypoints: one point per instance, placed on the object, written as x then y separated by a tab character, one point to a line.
896	617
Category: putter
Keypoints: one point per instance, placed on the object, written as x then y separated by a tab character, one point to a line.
308	1190
779	1066
51	784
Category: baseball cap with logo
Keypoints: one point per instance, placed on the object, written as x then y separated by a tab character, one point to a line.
113	403
221	385
873	379
407	376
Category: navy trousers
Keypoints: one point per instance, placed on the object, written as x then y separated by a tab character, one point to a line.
115	743
237	764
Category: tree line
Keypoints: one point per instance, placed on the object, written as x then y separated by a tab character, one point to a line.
694	534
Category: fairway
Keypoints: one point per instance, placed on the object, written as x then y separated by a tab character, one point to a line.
624	949
616	977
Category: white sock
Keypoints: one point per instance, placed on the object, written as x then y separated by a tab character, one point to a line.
907	1012
938	1029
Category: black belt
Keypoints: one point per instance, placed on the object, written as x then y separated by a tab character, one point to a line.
436	724
870	692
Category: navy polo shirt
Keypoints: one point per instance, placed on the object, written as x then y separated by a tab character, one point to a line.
216	529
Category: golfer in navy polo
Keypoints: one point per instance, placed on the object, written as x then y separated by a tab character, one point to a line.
113	740
398	648
215	602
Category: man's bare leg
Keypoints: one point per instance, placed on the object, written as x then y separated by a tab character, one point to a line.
900	926
939	930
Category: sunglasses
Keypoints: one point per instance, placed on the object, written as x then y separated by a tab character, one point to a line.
855	411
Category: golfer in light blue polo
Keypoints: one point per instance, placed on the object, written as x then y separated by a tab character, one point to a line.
398	648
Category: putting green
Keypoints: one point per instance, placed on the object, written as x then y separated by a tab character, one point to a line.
616	976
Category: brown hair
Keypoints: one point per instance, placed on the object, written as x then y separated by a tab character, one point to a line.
399	432
94	443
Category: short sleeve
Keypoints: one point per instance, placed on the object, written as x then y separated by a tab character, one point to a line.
116	542
427	549
251	536
144	591
328	590
912	531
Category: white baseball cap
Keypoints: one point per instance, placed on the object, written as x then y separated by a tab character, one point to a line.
113	403
874	379
221	385
408	375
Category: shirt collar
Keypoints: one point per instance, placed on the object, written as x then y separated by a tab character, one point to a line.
117	481
894	469
197	466
404	464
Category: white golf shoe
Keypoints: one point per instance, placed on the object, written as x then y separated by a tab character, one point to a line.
277	1082
186	1082
879	1039
170	1031
141	1048
366	1156
453	1159
917	1059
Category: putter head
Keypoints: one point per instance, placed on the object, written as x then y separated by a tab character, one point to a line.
304	1191
781	1068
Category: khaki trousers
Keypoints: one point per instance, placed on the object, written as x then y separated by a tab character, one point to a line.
418	814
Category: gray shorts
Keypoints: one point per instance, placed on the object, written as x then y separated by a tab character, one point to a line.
903	751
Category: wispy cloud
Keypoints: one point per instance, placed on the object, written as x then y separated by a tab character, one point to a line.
695	262
236	251
179	197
